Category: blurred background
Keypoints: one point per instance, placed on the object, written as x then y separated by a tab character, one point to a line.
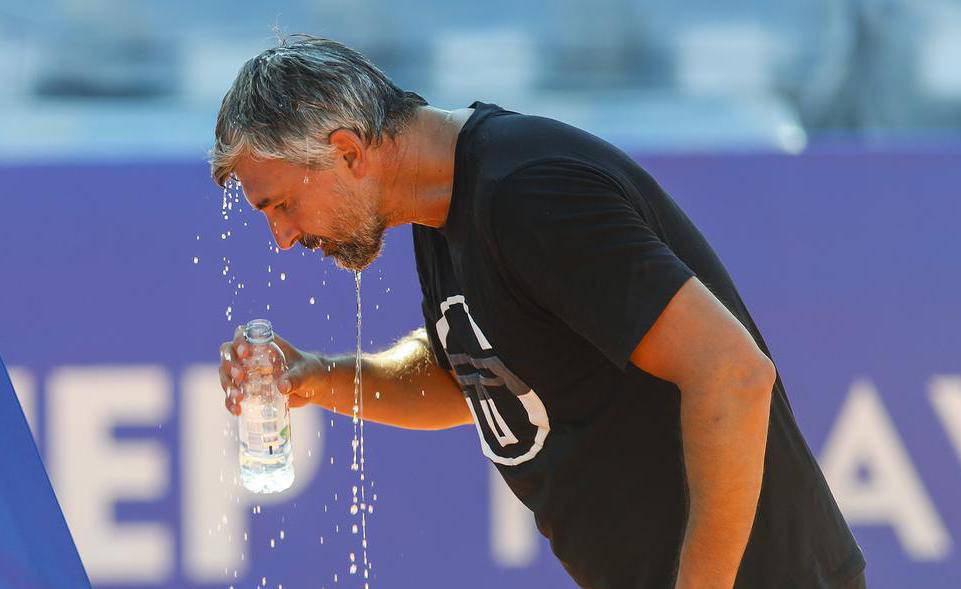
80	75
816	143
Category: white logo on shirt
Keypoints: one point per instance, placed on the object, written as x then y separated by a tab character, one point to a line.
487	383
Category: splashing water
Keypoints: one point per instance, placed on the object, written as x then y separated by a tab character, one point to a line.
358	443
231	196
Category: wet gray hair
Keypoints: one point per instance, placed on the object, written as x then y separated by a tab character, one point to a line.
285	103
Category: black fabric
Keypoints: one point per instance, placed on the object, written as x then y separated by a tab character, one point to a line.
859	582
558	254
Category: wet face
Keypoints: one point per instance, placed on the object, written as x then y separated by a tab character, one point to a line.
319	209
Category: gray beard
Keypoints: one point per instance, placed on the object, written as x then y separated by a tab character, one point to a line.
355	254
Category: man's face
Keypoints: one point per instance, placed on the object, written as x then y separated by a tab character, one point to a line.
317	209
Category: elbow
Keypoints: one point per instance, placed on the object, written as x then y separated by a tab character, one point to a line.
755	377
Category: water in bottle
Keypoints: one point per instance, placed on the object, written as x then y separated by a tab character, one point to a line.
266	457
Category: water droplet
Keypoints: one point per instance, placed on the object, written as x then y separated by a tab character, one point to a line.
196	259
283	276
282	534
311	300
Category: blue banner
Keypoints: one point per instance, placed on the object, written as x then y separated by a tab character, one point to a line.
121	280
36	549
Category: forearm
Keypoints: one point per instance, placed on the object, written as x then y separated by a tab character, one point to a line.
402	386
724	430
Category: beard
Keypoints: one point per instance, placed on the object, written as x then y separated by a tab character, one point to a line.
358	251
366	225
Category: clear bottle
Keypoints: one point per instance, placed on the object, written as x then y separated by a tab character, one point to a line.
266	456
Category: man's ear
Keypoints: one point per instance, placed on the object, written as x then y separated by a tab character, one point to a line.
349	149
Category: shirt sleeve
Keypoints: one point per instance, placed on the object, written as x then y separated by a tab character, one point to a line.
440	355
583	252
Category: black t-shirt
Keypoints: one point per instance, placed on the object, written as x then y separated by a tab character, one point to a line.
558	254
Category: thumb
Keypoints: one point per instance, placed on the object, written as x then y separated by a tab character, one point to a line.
296	380
291	353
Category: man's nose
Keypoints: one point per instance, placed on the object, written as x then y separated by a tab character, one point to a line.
284	234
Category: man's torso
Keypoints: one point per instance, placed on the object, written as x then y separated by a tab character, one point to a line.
590	443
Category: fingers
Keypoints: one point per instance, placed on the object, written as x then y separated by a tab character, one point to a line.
296	401
289	351
299	383
233	399
292	383
291	380
277	357
231	370
239	346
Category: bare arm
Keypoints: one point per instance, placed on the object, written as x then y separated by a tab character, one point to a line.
402	386
725	383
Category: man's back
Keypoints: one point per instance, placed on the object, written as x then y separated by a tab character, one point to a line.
558	254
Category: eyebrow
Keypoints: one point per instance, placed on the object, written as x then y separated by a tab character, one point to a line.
262	204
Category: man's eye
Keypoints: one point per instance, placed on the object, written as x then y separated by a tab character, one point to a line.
282	206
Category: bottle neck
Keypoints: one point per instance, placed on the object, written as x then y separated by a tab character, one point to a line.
259	331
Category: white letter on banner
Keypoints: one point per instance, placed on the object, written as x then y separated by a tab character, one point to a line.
26	388
91	470
945	394
514	536
215	507
864	436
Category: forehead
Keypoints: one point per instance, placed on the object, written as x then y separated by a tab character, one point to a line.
261	178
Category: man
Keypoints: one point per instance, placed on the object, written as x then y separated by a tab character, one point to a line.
613	373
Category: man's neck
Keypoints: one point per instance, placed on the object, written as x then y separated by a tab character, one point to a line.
419	168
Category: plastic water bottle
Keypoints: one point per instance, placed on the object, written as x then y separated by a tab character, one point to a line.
266	457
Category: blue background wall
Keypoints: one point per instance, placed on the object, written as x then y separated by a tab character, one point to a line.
848	260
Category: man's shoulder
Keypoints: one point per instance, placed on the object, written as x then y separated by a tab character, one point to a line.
508	140
553	184
518	166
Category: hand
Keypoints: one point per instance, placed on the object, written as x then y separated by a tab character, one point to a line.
300	375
